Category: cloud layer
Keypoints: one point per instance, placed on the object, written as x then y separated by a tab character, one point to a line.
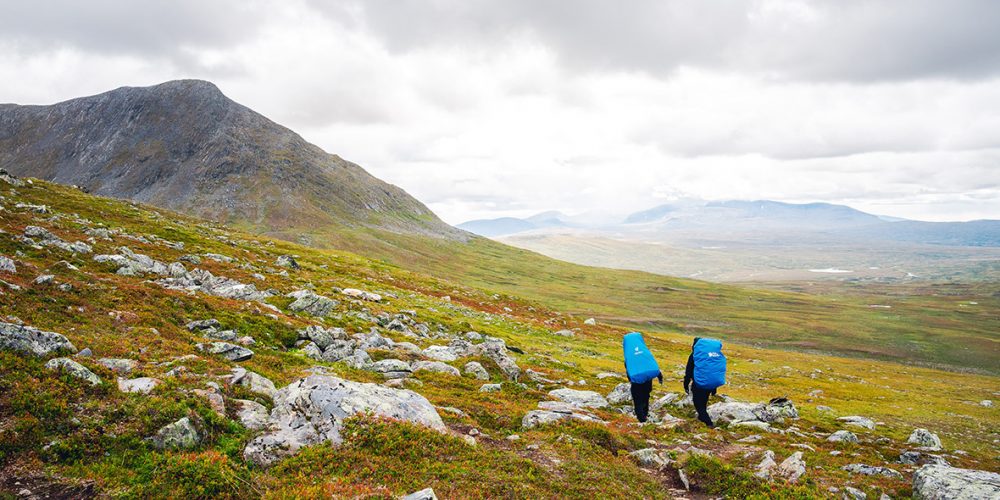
484	108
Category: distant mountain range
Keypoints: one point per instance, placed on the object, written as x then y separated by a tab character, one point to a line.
184	145
760	220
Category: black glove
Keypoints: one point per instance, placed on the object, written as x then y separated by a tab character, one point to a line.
660	377
687	390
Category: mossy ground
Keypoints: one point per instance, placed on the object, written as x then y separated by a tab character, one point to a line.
70	431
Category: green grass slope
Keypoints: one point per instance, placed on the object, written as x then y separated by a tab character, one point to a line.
62	436
949	325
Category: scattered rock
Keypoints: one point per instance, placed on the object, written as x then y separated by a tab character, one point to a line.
579	399
424	494
620	395
312	410
986	403
490	388
590	321
323	337
7	265
287	261
475	369
941	482
200	280
232	352
361	294
604	375
32	341
871	470
436	367
121	366
766	465
858	421
180	434
311	303
793	467
564	333
925	439
649	457
257	383
130	263
496	350
843	437
74	369
141	385
854	494
730	412
392	368
251	414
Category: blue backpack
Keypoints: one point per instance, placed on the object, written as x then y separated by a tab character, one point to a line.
639	362
709	364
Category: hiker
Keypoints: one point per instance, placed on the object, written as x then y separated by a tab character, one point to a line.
705	373
641	368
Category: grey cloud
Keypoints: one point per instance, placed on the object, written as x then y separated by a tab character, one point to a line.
838	40
172	30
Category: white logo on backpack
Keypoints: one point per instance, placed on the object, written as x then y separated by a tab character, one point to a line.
714	355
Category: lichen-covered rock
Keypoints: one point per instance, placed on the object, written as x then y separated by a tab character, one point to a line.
129	263
621	394
941	482
392	368
436	367
312	410
424	494
74	369
843	436
32	341
287	261
257	383
858	421
323	337
361	294
440	353
7	265
793	467
232	352
311	303
871	470
476	369
141	385
766	465
925	439
650	457
251	414
180	434
730	412
121	366
200	280
496	350
579	399
490	388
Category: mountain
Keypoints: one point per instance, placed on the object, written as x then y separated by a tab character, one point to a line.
184	145
757	214
512	225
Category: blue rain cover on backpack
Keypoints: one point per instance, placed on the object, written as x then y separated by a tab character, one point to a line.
709	364
639	362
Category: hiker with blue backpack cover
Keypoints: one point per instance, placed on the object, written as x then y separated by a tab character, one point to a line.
705	373
641	368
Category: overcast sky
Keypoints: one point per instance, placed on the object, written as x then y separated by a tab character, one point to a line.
511	107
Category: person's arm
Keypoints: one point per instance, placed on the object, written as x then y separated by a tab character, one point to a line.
689	373
660	377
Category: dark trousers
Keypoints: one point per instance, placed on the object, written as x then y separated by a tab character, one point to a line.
699	397
640	398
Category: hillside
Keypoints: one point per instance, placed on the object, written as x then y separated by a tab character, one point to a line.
142	314
184	145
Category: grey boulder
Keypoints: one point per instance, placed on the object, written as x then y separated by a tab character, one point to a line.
232	352
312	410
872	470
424	494
32	341
579	399
925	439
620	395
251	414
842	437
180	435
941	482
435	367
311	303
476	369
74	369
